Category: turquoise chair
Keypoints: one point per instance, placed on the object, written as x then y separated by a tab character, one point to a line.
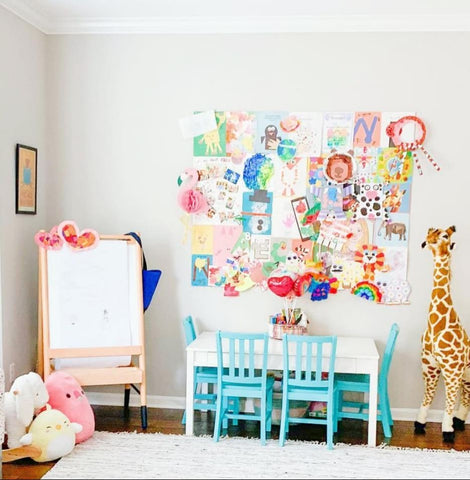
304	378
239	377
346	382
202	375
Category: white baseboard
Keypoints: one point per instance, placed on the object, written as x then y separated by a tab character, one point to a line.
156	401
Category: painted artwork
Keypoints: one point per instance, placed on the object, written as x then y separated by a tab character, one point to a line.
303	203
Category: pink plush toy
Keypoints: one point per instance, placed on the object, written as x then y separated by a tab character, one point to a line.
66	395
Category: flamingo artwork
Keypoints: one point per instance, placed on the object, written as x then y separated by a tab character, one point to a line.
190	199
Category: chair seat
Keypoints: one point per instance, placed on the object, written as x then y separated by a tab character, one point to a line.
206	377
352	382
207	370
309	395
246	390
352	377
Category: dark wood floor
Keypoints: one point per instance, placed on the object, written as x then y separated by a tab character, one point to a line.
111	419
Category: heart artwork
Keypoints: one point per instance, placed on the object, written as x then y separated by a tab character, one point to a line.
281	286
49	240
301	284
76	239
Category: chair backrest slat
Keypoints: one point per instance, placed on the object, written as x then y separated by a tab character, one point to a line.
237	355
307	352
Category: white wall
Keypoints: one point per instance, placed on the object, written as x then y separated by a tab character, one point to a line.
116	153
107	109
22	120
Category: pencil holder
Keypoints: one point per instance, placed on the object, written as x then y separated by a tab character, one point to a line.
278	330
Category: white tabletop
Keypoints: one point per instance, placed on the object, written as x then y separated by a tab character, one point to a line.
353	354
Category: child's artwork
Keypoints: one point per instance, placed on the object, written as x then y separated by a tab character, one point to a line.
305	203
212	143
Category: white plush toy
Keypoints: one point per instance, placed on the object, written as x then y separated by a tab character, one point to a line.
28	393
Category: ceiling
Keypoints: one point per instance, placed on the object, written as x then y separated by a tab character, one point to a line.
240	16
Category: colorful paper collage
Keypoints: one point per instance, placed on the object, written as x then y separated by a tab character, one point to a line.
327	189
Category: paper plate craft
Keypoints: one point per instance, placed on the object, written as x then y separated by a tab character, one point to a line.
367	290
66	395
53	434
339	167
75	239
290	123
286	149
190	199
395	131
49	240
395	291
258	171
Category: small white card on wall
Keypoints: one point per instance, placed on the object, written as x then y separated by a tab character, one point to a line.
198	124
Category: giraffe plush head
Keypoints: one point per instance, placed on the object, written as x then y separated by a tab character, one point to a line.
439	241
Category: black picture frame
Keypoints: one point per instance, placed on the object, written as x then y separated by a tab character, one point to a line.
26	179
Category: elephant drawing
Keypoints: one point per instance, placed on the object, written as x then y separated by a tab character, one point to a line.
393	227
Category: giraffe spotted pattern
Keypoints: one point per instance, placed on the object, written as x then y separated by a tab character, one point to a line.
445	343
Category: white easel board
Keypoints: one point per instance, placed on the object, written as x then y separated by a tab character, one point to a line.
94	300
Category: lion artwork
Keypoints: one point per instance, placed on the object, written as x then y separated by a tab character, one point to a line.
372	258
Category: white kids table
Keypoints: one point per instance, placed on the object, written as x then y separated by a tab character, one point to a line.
353	355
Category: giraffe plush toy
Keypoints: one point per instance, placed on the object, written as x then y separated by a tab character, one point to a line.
445	344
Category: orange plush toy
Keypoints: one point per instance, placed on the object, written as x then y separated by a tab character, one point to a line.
66	395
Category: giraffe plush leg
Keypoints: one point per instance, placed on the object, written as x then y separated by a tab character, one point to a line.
452	384
431	377
462	412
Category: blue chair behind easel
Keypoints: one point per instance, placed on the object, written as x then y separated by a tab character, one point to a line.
361	383
305	378
239	377
202	375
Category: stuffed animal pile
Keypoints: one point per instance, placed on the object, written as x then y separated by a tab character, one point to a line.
51	416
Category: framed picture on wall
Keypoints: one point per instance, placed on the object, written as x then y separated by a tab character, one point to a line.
26	179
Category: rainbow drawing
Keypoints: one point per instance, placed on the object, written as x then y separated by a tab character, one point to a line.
367	290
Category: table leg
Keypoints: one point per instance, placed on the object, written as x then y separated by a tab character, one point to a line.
372	433
189	393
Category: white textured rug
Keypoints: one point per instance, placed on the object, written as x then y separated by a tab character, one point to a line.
137	455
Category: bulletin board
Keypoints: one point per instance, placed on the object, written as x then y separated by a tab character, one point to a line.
263	199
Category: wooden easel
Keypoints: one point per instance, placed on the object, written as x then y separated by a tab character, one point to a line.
129	375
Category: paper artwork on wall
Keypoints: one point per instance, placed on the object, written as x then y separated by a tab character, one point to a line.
331	190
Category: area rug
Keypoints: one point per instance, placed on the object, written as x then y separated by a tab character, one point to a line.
138	455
